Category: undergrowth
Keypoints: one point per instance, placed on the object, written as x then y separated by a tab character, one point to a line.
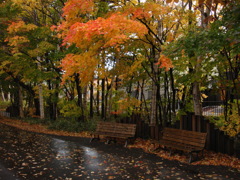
65	124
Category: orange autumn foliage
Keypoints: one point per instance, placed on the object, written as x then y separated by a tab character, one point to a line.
20	26
164	62
73	8
83	64
15	37
112	31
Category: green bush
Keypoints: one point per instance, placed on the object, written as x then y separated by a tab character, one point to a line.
72	125
32	120
64	125
4	104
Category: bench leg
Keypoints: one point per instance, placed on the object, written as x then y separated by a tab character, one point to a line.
93	138
190	158
126	143
108	141
202	155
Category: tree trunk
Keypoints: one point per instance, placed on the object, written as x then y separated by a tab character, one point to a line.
197	99
153	104
3	95
41	102
52	101
103	99
85	97
91	100
153	112
98	95
79	93
173	92
40	96
21	114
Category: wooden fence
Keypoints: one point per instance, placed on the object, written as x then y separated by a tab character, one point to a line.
4	114
216	140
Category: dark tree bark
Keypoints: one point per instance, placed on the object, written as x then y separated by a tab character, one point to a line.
79	99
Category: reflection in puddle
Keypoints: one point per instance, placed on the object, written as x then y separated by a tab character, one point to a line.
84	157
91	157
62	149
90	151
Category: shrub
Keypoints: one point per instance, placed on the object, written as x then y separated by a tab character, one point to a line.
72	125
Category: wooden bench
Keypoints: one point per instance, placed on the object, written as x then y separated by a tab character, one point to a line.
183	140
113	130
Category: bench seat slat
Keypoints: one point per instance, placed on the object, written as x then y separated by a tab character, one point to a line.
180	146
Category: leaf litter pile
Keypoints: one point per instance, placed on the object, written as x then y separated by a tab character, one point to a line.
37	156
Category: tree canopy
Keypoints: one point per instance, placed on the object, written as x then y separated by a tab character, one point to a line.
85	58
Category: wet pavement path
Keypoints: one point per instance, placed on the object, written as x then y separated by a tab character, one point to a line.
32	156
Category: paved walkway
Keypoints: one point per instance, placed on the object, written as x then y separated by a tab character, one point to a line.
32	156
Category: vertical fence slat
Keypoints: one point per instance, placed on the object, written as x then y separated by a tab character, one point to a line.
193	123
208	141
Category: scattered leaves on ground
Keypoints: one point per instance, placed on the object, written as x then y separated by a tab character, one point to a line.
150	146
210	158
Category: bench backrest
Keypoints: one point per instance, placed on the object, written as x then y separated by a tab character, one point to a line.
193	138
126	129
117	128
103	126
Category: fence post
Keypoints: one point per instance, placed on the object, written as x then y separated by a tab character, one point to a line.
181	122
152	132
198	123
208	143
236	146
193	123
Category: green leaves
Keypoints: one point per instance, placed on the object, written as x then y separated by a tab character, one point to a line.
41	49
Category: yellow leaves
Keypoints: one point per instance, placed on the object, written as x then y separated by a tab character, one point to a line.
128	104
20	26
84	64
130	70
147	11
164	62
32	5
157	10
232	125
204	95
15	40
42	48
